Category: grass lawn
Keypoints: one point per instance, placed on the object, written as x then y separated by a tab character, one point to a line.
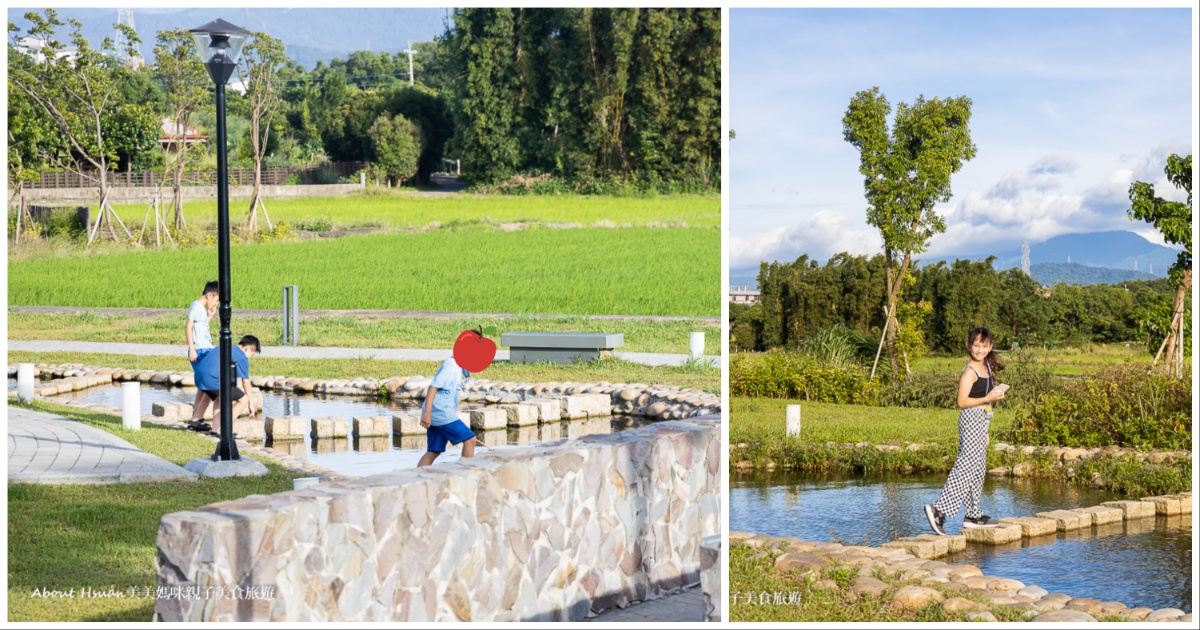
404	209
103	536
611	370
1068	361
586	271
351	332
754	419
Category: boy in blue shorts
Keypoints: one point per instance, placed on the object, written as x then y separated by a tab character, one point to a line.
439	415
208	378
199	340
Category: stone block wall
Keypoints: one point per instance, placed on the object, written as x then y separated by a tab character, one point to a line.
543	533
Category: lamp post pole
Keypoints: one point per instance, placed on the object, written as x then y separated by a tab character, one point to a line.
219	44
226	447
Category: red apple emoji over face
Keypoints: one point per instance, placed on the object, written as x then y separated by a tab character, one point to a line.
473	351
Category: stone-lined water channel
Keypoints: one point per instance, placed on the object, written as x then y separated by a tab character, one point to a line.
359	456
1145	562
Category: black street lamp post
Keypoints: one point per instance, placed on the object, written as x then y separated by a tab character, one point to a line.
220	45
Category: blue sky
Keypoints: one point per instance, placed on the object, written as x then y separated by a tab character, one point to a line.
1069	106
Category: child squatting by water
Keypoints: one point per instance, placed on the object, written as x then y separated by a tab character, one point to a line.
977	392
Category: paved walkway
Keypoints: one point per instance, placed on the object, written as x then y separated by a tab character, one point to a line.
685	606
44	448
307	352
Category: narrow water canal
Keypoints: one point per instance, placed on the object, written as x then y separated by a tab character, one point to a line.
1147	562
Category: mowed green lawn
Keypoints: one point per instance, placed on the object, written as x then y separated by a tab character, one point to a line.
418	210
756	419
585	271
670	336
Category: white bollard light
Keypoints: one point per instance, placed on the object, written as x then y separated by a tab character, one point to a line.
793	420
697	344
25	382
301	483
131	405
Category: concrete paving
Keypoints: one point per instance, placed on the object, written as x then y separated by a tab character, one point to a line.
687	605
308	352
45	448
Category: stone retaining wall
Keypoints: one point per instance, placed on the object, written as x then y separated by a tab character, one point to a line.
516	534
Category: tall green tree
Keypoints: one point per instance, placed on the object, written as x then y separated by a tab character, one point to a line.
258	69
484	62
1174	220
397	146
907	171
185	81
77	88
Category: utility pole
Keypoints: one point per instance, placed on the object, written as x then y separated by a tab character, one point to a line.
410	53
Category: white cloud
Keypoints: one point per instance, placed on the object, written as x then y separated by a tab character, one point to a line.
1054	165
820	236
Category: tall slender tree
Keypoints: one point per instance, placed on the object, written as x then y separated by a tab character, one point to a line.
186	92
907	171
258	69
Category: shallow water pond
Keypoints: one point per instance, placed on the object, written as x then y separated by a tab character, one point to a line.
361	456
1147	562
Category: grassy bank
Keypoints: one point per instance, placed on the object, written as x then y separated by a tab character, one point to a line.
611	370
352	332
1067	361
751	570
581	272
416	210
828	433
103	536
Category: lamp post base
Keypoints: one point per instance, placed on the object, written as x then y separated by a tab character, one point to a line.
244	467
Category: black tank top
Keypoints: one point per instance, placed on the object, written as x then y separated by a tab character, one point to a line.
982	385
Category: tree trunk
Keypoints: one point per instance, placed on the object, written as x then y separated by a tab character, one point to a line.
177	191
1177	311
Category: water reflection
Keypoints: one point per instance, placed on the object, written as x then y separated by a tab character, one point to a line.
1143	562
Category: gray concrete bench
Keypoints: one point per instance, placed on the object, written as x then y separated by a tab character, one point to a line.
530	347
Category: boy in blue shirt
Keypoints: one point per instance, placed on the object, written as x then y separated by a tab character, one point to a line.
208	377
199	339
439	415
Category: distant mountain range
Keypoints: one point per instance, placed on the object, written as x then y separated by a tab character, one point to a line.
309	34
1088	258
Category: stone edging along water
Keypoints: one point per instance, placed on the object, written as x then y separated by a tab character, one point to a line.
1058	456
522	534
660	403
911	561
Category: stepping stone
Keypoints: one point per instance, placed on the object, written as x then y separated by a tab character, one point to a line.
372	426
954	543
488	419
585	405
1132	509
1166	505
995	535
919	548
1185	502
407	424
1032	527
249	429
1101	515
1067	520
329	428
548	409
286	428
521	414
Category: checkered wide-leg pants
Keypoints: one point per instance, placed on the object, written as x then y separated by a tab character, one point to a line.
965	483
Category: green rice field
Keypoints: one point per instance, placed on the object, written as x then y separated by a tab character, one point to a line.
585	271
417	210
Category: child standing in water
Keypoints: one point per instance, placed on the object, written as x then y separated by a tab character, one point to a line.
977	391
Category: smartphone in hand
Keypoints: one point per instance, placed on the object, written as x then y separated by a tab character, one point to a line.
1002	387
